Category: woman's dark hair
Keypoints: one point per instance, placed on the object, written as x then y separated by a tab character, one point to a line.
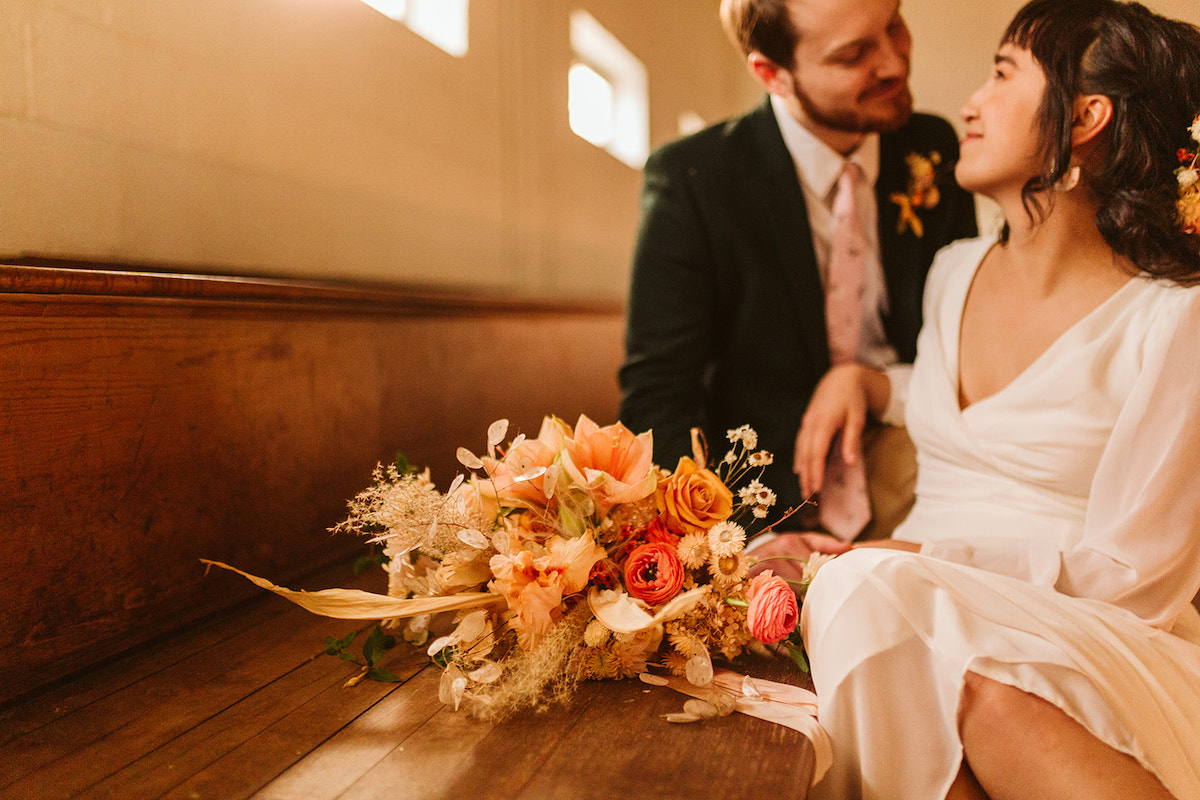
1149	67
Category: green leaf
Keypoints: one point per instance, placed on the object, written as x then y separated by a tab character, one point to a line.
798	656
364	563
382	675
345	641
376	644
443	657
402	465
347	657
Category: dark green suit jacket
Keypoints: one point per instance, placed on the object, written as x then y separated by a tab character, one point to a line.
726	320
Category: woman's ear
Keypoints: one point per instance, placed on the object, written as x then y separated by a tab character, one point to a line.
1090	115
772	77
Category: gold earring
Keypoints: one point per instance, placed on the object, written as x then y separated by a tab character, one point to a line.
1068	181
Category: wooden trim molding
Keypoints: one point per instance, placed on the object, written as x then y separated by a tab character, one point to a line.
28	276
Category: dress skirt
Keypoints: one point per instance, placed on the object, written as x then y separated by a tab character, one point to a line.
891	635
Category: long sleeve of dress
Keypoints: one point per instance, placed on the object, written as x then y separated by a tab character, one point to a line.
1141	542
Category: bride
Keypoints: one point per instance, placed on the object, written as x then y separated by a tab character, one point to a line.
1029	633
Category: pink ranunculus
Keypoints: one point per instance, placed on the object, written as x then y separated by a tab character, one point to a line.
773	608
613	464
654	573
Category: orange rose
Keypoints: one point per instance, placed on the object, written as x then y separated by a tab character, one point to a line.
654	573
692	500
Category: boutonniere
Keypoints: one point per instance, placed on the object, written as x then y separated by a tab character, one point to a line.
1188	204
922	191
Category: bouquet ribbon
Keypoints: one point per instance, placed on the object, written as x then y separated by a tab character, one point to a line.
781	703
357	604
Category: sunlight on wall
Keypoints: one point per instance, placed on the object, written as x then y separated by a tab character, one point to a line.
607	91
440	22
590	105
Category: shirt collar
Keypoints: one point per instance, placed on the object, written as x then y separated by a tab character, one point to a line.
817	164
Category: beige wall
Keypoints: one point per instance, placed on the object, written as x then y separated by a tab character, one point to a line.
318	138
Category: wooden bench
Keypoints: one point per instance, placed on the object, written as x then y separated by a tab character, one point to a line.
150	419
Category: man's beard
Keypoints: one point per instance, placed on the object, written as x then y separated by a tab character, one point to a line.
853	120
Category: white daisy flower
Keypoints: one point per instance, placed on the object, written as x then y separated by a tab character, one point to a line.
726	538
761	459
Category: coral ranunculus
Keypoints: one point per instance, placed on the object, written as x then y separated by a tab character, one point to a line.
773	610
654	573
693	499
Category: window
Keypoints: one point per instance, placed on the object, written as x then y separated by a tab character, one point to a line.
441	22
607	99
590	105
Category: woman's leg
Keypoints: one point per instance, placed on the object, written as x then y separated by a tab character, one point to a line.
965	787
1021	747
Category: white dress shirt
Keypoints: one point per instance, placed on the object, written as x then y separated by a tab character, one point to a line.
818	167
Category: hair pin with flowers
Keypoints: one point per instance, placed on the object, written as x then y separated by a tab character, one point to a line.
1188	204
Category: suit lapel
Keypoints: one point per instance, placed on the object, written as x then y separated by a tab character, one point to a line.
784	202
900	252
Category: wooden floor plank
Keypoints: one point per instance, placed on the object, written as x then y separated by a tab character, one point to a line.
334	767
436	756
18	719
93	742
630	750
291	737
161	770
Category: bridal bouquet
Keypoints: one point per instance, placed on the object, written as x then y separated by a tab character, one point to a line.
566	557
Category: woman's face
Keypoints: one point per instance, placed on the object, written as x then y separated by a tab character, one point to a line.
1001	150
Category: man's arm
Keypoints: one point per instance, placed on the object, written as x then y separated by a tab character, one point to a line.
671	316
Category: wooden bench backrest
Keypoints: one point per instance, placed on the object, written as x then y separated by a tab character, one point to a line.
148	420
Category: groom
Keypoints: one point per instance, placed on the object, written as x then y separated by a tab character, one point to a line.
727	315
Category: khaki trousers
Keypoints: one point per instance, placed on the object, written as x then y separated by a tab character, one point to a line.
891	462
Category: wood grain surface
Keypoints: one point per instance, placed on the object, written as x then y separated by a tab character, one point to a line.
245	705
150	420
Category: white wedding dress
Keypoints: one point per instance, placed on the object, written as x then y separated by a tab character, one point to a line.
1060	529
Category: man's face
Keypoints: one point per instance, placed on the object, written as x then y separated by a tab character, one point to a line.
852	65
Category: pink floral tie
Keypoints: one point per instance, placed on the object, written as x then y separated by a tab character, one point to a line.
843	507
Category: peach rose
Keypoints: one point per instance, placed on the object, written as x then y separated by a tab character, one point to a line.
773	610
693	499
654	573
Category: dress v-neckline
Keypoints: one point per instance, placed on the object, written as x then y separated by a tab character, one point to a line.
956	341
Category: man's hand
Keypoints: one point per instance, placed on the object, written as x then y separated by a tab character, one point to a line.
786	553
840	405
